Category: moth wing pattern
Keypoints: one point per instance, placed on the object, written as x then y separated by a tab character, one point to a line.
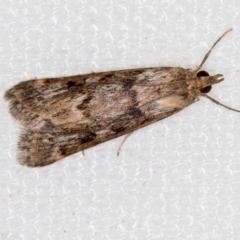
62	116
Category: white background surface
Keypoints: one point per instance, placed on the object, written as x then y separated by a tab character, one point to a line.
176	179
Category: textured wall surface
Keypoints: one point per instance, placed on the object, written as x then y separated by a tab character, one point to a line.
176	179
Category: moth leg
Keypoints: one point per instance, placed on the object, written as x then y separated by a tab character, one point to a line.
124	140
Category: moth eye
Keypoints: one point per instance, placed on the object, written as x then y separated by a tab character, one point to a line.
205	89
202	74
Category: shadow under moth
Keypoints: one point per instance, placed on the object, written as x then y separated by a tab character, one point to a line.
64	115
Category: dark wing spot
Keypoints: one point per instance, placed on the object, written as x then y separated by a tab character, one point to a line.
80	107
49	80
60	113
84	104
127	84
48	125
118	129
87	137
135	112
62	151
109	75
35	116
71	84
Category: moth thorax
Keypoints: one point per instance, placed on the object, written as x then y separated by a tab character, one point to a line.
199	83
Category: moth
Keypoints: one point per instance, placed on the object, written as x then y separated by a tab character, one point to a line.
61	116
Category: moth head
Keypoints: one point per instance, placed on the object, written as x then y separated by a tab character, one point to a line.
206	81
204	84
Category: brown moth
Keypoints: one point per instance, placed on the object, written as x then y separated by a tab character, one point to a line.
62	116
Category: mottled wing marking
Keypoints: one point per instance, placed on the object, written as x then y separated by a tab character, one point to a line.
59	99
65	115
38	148
43	148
